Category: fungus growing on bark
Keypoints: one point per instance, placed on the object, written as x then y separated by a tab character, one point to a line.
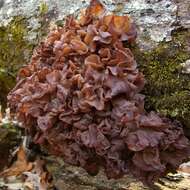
80	97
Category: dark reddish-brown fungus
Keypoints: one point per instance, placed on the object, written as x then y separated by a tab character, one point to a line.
80	98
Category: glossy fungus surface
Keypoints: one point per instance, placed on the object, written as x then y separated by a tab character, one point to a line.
80	98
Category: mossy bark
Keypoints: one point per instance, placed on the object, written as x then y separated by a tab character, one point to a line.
167	88
15	51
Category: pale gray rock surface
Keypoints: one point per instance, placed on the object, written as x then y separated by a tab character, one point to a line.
186	67
183	13
155	19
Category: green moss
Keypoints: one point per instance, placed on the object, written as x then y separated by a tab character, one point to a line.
44	17
43	9
16	49
167	89
10	138
13	53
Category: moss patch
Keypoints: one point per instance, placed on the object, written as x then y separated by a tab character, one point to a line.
15	51
10	138
167	89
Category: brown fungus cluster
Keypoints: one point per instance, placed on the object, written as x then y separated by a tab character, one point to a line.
79	97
